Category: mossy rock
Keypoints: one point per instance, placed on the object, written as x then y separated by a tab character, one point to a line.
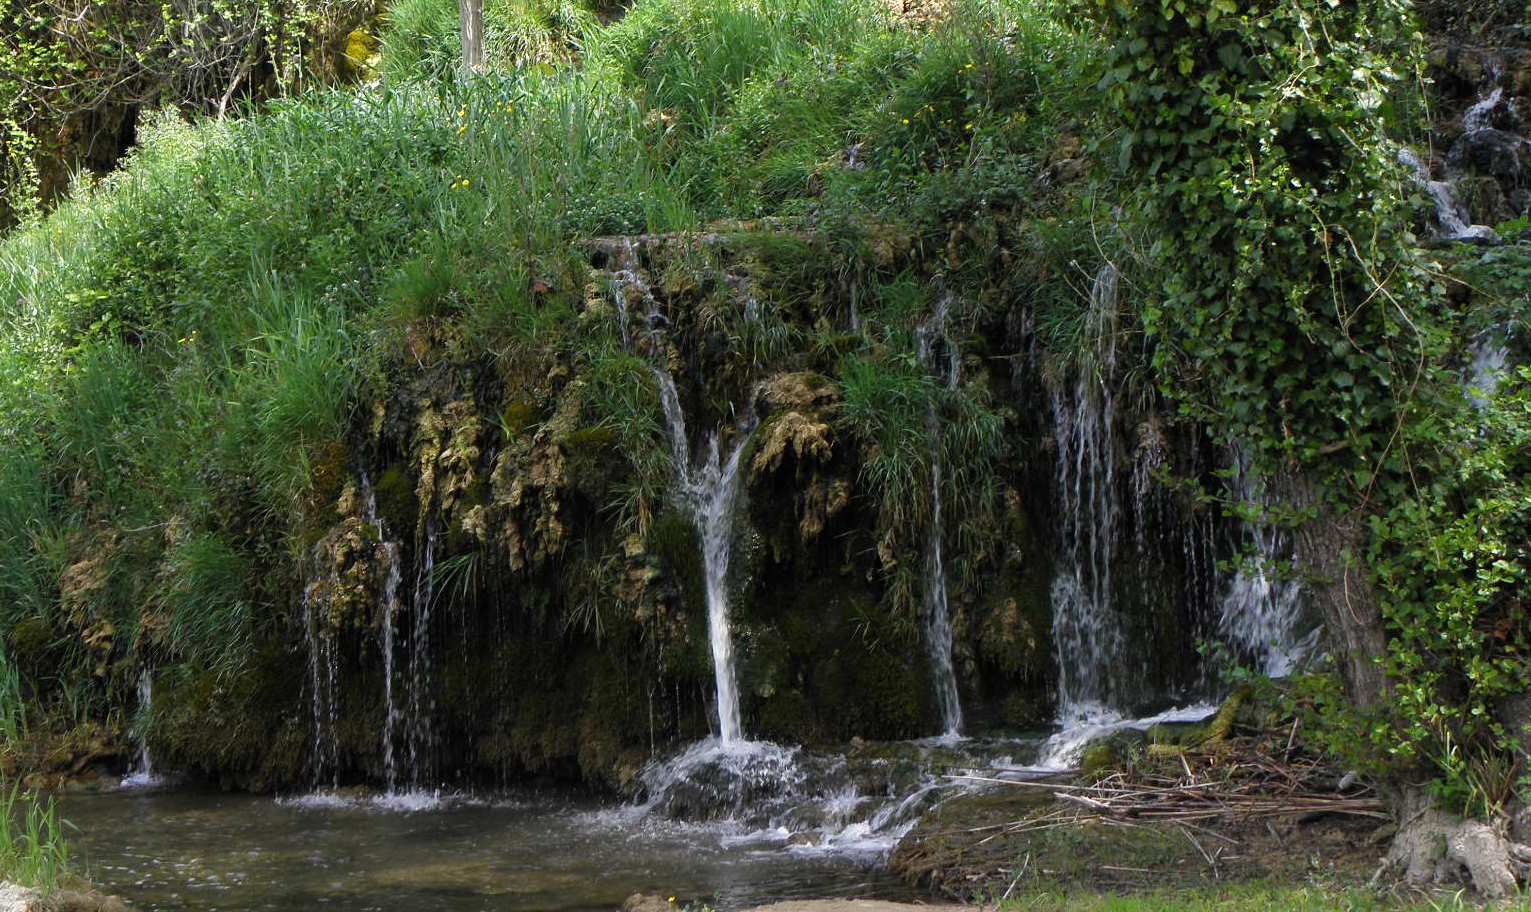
329	467
397	503
678	546
1111	753
30	642
593	459
517	416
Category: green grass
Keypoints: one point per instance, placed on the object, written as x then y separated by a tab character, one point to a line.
33	852
1253	897
185	345
420	37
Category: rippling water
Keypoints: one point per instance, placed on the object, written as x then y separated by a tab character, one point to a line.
193	850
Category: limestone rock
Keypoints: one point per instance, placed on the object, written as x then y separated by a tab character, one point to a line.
1496	153
15	898
19	899
640	902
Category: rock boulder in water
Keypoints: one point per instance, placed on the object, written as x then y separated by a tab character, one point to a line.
1496	153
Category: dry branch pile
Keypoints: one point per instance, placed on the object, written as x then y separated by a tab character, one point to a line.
1243	785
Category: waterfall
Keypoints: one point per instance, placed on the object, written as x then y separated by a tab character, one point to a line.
1087	635
421	700
388	611
1490	353
1260	612
387	608
932	341
707	494
1478	116
1452	217
142	774
706	491
323	669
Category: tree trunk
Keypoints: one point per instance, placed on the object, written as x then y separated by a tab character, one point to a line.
1328	551
472	15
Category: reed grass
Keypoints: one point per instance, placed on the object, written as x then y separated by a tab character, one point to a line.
33	852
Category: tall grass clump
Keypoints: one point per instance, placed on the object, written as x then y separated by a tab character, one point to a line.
13	711
33	852
420	38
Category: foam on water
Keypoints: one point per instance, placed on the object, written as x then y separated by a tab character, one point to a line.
142	775
1063	750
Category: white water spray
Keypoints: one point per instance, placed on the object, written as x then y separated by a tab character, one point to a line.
142	774
323	670
422	704
1086	632
1261	610
707	493
933	342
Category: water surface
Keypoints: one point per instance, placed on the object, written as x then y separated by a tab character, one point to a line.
215	852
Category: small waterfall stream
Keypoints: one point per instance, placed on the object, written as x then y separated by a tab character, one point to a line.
422	701
388	614
323	670
933	343
1261	610
707	492
142	774
1087	635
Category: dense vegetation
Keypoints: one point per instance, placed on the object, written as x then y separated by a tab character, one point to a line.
207	352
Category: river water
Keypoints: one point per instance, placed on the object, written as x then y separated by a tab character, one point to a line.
216	852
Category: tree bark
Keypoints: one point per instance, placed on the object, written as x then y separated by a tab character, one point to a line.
471	13
1328	551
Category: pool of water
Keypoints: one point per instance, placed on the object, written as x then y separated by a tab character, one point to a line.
215	852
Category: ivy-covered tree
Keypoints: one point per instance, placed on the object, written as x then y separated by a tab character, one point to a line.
1295	320
1291	319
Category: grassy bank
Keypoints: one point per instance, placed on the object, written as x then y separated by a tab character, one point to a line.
1253	897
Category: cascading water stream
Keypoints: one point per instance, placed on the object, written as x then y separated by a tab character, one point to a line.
142	774
323	670
388	610
932	342
1095	673
421	699
1260	611
1086	632
707	491
1454	220
707	494
1490	355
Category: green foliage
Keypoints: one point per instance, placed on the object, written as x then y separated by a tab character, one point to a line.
1291	316
201	587
1295	319
13	711
33	852
422	37
1452	562
69	74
